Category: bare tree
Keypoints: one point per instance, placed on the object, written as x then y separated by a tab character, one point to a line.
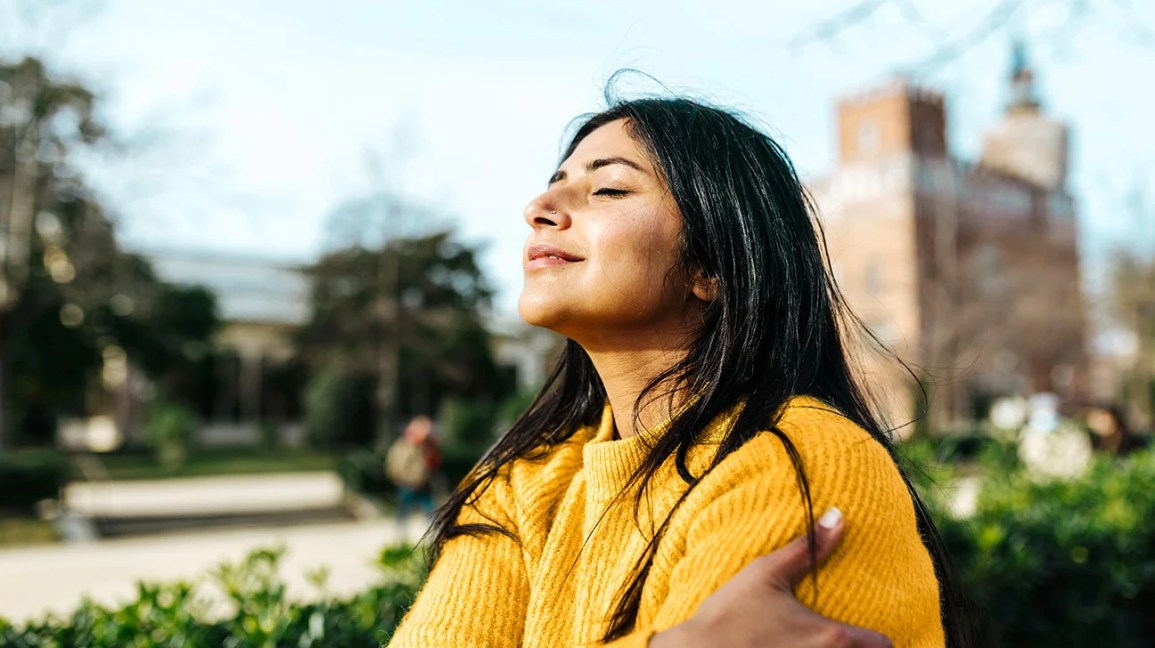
384	222
1120	16
1131	298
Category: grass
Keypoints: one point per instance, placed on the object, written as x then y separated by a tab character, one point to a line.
227	461
18	531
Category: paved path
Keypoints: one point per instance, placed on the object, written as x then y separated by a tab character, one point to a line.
197	495
35	580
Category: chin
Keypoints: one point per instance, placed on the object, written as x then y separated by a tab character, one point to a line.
544	309
537	310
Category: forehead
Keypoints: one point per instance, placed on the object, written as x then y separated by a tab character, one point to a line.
611	140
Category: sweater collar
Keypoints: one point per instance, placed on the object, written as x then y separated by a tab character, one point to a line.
604	431
609	462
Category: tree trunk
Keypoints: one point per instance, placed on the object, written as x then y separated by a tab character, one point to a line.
388	365
7	439
15	251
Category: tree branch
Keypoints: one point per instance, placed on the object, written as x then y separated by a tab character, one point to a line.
989	24
831	27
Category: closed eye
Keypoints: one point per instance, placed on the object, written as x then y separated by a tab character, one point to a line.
611	192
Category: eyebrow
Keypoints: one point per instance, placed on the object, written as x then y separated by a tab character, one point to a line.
594	165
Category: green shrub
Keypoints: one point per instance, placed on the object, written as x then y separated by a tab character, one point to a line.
1062	563
257	612
457	462
338	408
170	430
28	476
363	471
1048	563
469	429
514	406
467	423
270	435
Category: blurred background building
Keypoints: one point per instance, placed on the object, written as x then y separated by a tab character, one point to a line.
258	377
257	381
969	271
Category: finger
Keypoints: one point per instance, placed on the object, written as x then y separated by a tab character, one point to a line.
852	637
786	567
828	532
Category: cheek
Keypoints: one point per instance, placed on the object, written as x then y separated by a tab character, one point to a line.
638	252
648	239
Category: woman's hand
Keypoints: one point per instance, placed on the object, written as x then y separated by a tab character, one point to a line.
757	607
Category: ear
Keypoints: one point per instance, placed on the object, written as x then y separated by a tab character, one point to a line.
704	288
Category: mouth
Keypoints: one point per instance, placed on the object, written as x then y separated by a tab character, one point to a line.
548	256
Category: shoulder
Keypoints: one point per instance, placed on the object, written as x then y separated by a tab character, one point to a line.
754	498
816	449
831	448
820	429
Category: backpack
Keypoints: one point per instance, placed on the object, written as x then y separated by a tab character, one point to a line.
405	464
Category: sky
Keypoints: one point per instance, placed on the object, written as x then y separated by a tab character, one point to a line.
246	124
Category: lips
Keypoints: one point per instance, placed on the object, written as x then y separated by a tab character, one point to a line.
546	256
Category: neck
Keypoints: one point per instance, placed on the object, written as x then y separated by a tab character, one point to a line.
625	371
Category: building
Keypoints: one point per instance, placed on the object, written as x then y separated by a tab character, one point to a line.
259	382
261	303
968	271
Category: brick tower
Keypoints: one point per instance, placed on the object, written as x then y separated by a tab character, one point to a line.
969	273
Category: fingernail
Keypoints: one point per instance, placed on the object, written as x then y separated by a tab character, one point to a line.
830	518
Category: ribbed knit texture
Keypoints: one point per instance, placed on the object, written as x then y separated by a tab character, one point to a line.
560	585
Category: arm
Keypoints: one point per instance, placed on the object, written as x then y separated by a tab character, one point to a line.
880	577
478	591
757	607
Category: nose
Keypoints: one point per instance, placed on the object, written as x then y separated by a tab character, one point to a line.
544	212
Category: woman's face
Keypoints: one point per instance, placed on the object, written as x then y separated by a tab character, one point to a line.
605	239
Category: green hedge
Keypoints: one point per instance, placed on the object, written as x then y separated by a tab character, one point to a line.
28	476
1049	563
456	462
363	471
175	615
1063	563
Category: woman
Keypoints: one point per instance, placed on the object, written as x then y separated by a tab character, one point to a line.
701	411
1110	433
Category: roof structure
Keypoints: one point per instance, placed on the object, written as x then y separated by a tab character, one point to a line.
248	289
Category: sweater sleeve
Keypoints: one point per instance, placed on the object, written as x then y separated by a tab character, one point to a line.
880	577
475	578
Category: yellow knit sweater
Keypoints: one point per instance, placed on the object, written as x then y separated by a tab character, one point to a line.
559	585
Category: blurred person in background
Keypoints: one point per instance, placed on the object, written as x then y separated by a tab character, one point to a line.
1110	433
662	489
411	464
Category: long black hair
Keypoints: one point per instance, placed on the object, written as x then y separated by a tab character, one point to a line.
774	330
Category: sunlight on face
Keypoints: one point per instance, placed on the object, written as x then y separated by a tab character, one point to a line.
605	240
